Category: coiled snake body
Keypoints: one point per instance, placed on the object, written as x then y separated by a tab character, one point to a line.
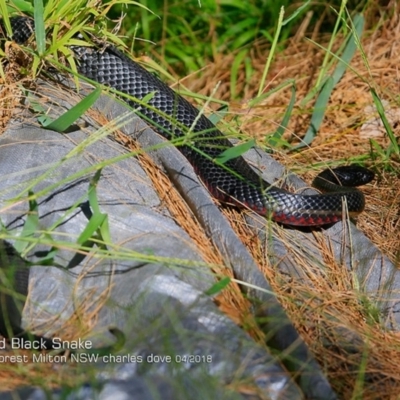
236	181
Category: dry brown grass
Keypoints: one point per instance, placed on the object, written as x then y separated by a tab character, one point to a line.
230	300
348	122
320	312
324	311
327	312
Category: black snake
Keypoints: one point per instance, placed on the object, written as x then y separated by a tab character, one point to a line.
235	181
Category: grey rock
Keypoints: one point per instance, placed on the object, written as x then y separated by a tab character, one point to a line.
159	305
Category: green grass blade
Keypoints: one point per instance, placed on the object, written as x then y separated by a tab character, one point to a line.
218	115
62	123
277	136
381	111
252	103
321	102
280	24
350	49
234	152
218	286
104	231
6	18
40	32
272	52
235	71
31	224
296	13
358	392
93	201
22	6
318	113
92	227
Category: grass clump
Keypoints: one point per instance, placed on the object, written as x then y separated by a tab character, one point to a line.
190	34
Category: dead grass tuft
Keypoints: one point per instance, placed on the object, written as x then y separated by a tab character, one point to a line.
327	311
326	308
350	119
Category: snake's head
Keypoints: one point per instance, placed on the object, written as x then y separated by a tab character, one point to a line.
349	175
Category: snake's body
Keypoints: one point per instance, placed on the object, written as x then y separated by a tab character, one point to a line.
174	117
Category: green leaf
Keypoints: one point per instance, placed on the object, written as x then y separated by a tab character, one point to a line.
62	123
93	226
23	6
48	259
97	218
271	52
235	151
277	136
318	113
235	70
40	32
296	13
93	201
6	20
218	286
104	228
217	116
381	111
323	98
31	225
